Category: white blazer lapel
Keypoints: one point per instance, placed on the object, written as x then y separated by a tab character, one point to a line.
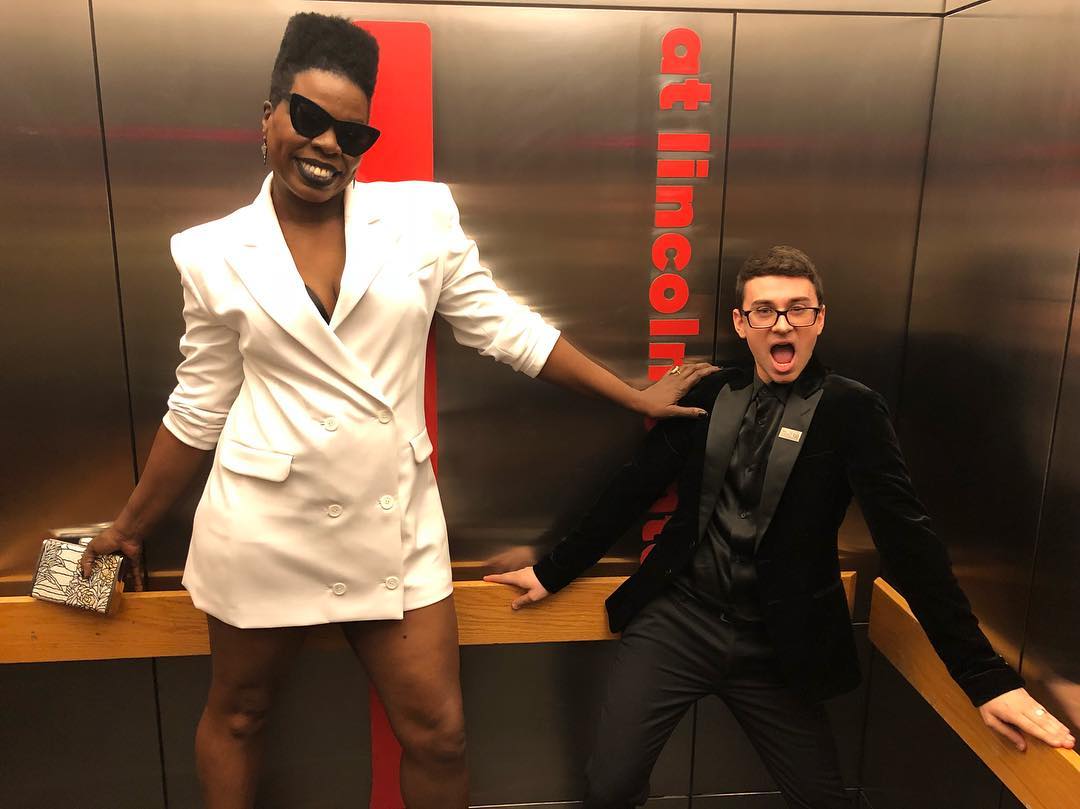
262	260
367	246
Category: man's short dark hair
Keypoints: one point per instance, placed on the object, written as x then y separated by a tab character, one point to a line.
789	262
321	42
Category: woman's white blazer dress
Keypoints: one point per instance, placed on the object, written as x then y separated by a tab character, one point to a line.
321	505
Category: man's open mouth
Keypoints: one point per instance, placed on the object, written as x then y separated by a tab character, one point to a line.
783	355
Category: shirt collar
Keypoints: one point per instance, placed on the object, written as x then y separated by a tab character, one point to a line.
776	389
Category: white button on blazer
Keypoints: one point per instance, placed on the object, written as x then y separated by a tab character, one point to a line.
307	518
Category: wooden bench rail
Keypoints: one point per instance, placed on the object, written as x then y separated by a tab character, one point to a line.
166	624
1042	778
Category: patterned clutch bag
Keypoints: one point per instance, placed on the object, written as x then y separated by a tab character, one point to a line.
58	578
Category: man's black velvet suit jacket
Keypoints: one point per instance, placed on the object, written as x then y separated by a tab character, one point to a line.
846	446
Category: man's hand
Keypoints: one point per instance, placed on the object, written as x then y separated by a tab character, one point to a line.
1016	711
661	399
513	558
523	579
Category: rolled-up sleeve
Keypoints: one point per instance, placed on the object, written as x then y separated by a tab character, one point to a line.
481	314
208	378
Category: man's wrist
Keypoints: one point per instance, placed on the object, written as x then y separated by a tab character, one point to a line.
548	574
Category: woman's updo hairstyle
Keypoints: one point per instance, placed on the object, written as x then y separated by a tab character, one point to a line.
320	42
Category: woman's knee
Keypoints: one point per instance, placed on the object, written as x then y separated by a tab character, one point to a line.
242	713
435	740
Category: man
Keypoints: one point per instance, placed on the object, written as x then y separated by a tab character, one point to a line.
741	595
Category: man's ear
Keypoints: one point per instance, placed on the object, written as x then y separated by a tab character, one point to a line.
738	322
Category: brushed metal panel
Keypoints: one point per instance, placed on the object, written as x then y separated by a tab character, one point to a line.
725	761
760	800
559	193
828	131
1049	35
1051	656
851	6
81	735
993	288
912	757
319	744
531	713
828	134
993	292
674	802
63	415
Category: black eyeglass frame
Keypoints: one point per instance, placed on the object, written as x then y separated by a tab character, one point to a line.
351	135
777	312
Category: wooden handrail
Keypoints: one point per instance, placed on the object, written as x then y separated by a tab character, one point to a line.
165	623
1042	778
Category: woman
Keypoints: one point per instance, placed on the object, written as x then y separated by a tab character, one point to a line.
307	316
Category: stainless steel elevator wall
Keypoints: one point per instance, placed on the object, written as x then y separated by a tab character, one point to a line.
993	293
994	288
555	173
1049	240
545	127
64	421
64	413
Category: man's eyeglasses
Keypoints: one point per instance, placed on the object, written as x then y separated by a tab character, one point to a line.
311	120
765	317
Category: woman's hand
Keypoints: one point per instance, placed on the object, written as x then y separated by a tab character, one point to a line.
111	540
1016	711
523	579
661	399
570	368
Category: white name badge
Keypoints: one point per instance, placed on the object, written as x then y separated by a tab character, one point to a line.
790	435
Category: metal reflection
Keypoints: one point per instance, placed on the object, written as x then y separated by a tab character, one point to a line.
63	415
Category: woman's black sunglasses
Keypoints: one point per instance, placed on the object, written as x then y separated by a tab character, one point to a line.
311	120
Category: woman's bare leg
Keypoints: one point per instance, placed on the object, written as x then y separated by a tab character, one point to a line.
415	668
247	667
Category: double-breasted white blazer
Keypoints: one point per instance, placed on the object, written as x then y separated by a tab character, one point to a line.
321	505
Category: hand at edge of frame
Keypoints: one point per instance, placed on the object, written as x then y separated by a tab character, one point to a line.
1016	713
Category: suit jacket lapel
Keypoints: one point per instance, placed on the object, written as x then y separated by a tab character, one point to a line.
262	260
368	243
797	417
727	414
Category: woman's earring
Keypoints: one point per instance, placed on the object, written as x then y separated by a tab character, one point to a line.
264	151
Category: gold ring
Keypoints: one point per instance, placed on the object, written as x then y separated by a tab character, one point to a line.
675	371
